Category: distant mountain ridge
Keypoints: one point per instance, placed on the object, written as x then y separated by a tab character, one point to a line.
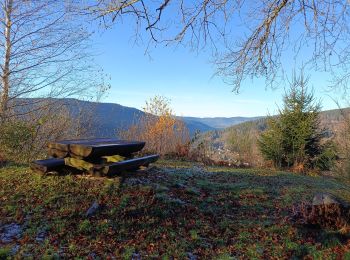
128	115
110	117
221	122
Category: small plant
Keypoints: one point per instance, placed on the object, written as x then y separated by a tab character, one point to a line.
128	252
224	256
84	226
50	254
5	253
194	234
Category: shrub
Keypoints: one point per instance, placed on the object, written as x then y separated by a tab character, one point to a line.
270	143
25	138
16	140
242	141
326	160
342	141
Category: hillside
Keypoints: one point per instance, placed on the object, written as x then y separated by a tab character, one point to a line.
106	118
109	117
107	113
219	141
175	210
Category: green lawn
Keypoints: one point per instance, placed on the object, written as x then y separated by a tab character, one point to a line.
173	210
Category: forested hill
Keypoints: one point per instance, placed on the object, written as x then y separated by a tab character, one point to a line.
218	140
106	118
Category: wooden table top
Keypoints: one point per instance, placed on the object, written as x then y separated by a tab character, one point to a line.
97	141
97	146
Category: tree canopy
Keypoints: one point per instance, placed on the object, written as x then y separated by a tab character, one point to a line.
256	35
44	52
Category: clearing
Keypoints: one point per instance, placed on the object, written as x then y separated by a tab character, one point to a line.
175	210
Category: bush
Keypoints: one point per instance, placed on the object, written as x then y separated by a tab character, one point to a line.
326	160
342	140
242	141
16	140
270	143
25	138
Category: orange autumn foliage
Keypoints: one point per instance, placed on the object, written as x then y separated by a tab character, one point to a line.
160	129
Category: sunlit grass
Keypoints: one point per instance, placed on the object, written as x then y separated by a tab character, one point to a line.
174	209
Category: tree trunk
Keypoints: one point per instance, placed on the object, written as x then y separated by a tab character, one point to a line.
5	77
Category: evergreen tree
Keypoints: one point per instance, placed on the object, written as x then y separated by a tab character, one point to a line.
293	138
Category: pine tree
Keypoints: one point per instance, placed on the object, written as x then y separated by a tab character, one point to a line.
293	138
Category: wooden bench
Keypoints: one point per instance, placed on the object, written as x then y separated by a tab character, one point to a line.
48	165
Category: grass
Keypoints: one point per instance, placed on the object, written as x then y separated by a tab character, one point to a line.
172	210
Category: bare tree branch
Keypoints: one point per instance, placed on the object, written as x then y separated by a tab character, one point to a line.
44	52
315	33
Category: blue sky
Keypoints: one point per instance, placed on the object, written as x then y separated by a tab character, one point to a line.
186	78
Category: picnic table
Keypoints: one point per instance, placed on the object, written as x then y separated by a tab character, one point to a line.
101	157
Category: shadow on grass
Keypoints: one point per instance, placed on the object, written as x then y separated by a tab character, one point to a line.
315	234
